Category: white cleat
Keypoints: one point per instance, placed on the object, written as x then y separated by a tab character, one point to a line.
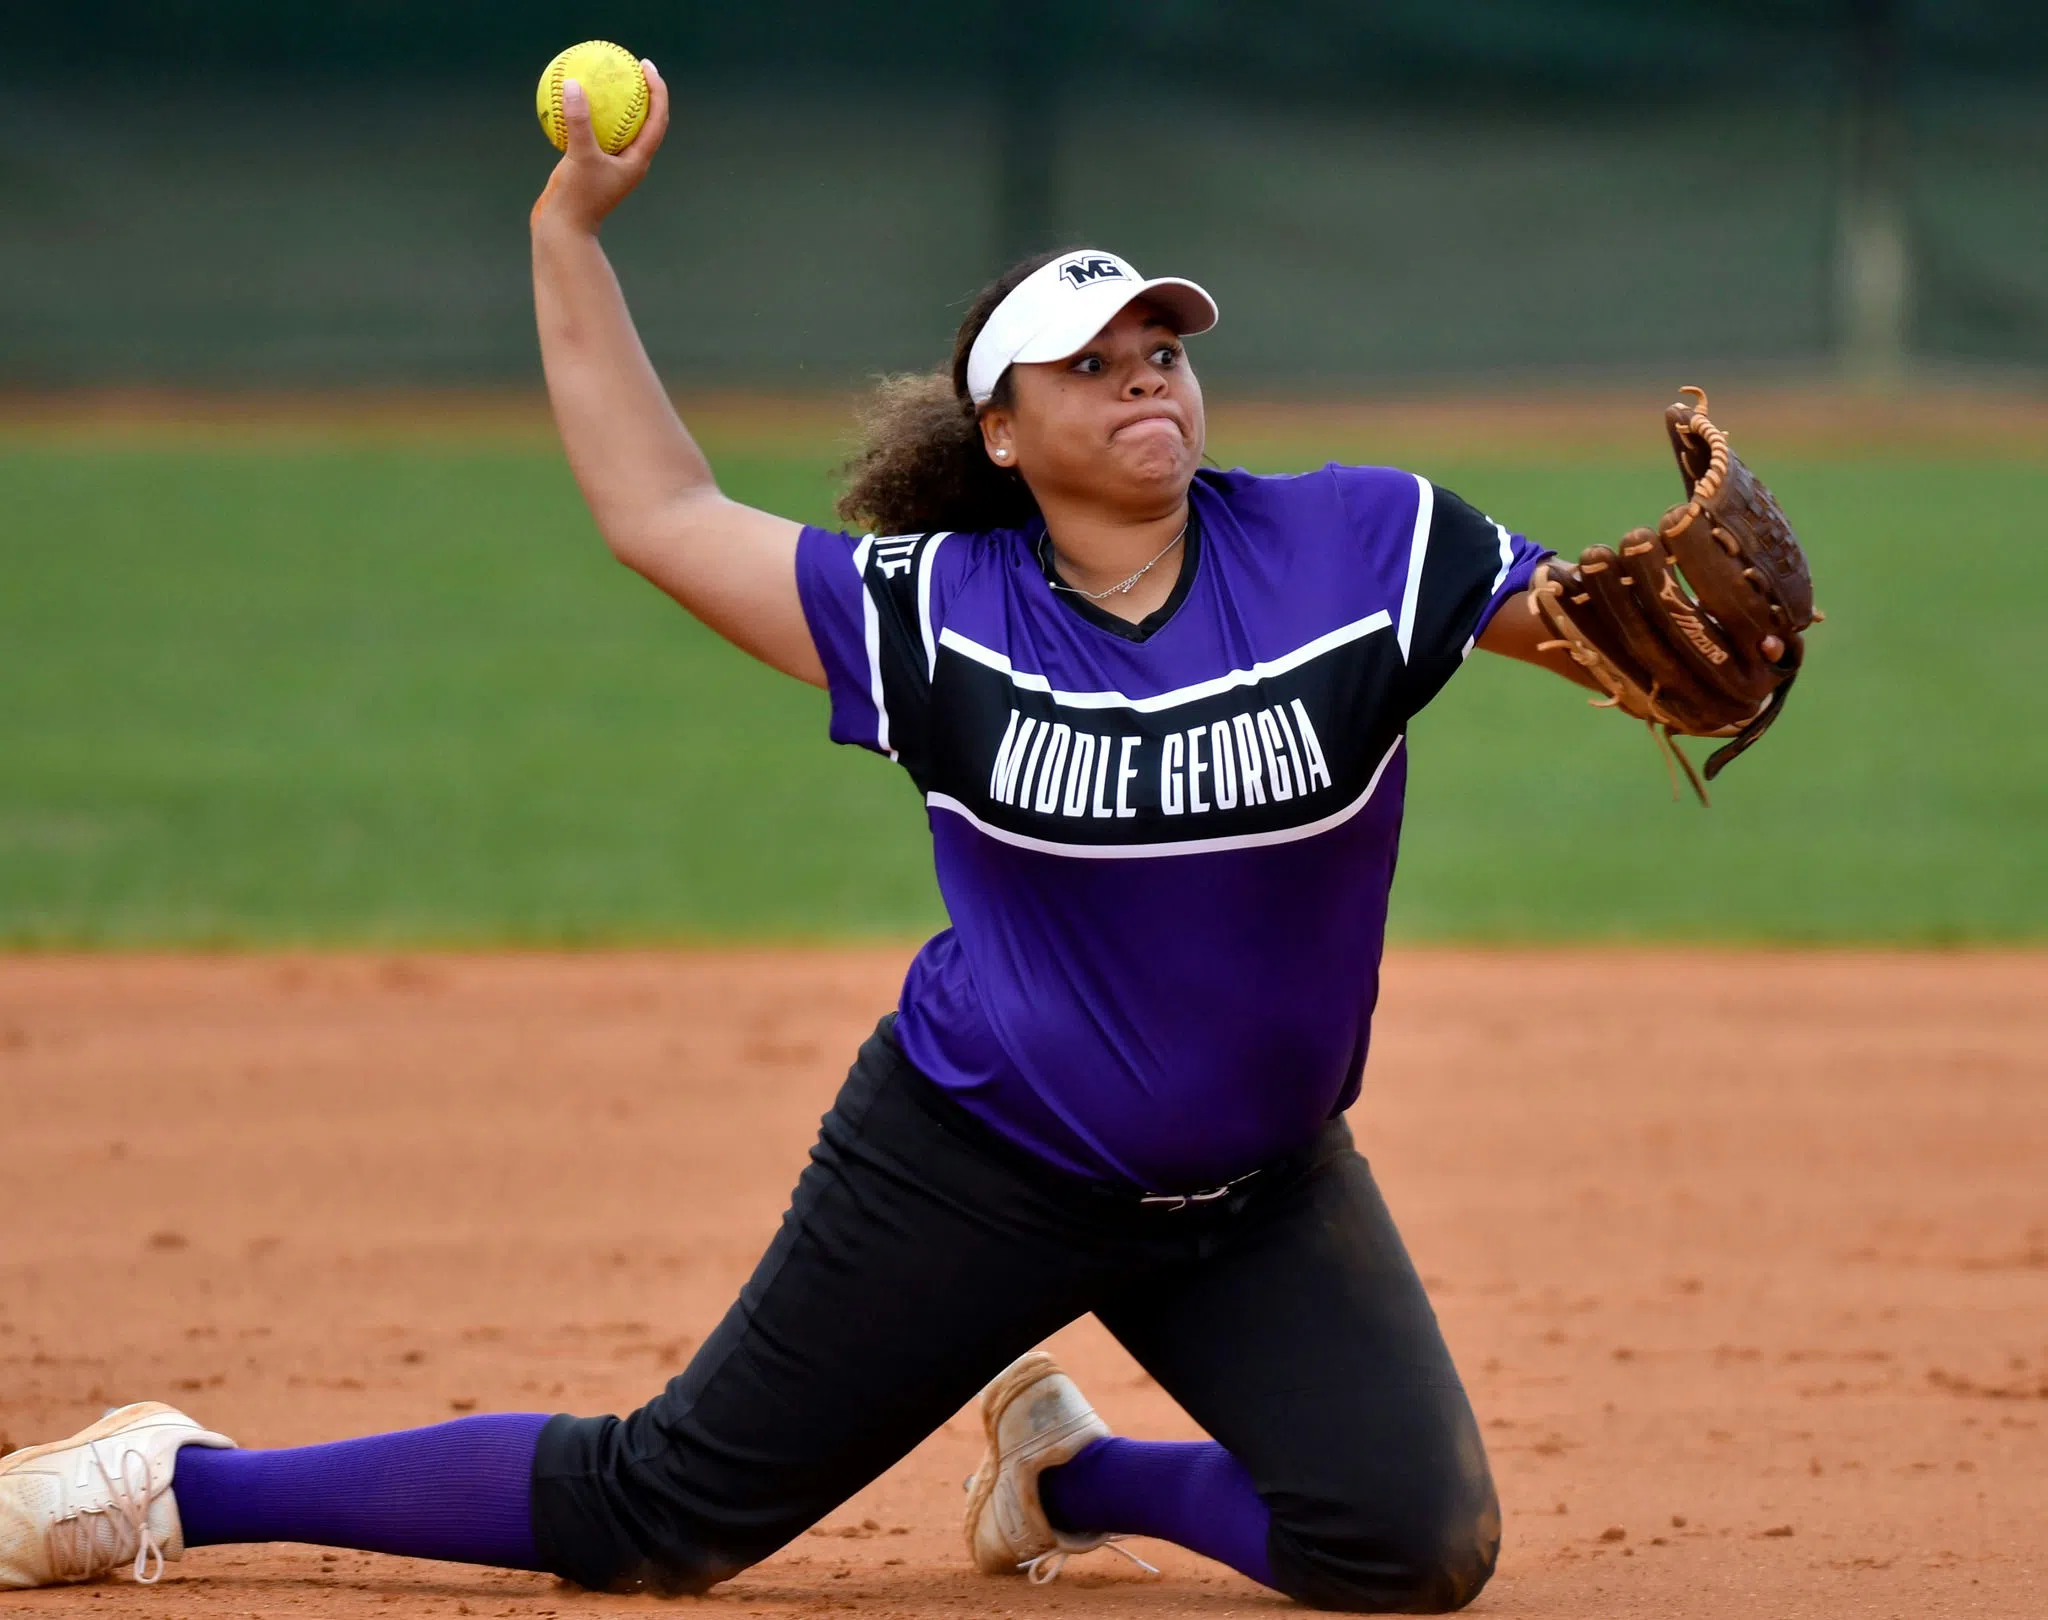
81	1508
1035	1419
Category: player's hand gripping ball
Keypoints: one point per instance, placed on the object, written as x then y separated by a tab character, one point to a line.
612	83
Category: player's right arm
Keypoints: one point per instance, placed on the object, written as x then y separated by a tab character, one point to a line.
649	487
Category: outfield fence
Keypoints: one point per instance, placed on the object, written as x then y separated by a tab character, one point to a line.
1379	195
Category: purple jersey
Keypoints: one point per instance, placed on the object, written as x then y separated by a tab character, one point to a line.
1165	849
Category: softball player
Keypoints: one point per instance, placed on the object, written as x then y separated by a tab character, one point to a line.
1157	715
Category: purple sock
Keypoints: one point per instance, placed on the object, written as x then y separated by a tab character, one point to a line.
458	1491
1190	1492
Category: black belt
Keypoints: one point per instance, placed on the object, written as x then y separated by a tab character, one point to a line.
934	1100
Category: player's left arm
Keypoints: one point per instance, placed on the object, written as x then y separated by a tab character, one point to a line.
1516	632
1472	591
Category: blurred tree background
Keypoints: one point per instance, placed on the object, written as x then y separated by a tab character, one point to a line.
203	192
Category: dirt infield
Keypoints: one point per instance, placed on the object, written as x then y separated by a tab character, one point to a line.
1748	1276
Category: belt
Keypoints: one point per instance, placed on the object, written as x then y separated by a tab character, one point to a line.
933	1099
1174	1203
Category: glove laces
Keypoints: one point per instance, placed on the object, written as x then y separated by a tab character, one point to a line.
92	1542
1047	1565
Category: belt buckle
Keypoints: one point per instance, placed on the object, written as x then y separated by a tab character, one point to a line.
1174	1203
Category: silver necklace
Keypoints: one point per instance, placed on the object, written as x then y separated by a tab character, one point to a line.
1122	588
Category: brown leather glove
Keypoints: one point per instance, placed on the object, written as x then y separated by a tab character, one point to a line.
1694	627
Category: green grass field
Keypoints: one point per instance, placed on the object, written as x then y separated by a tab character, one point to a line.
258	696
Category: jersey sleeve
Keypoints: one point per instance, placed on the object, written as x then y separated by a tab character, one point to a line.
868	600
1461	567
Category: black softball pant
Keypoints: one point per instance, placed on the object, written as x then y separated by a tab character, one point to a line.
922	1252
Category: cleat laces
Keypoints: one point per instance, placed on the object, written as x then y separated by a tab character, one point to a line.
94	1540
1047	1565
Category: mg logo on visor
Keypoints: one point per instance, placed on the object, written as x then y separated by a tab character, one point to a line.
1080	272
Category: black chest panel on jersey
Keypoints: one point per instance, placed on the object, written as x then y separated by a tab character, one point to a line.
1265	753
1247	753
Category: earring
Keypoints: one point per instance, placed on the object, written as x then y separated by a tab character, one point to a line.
1002	455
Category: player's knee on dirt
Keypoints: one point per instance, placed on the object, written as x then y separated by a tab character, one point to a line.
616	1508
1432	1558
658	1560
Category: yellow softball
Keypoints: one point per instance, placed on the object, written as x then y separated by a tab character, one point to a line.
611	79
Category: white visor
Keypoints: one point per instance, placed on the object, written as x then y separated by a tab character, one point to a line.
1056	309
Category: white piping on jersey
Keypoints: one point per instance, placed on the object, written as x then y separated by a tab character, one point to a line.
924	602
1184	846
1418	548
1507	561
871	633
1266	670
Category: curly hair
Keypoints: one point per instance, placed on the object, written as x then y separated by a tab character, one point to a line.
921	465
